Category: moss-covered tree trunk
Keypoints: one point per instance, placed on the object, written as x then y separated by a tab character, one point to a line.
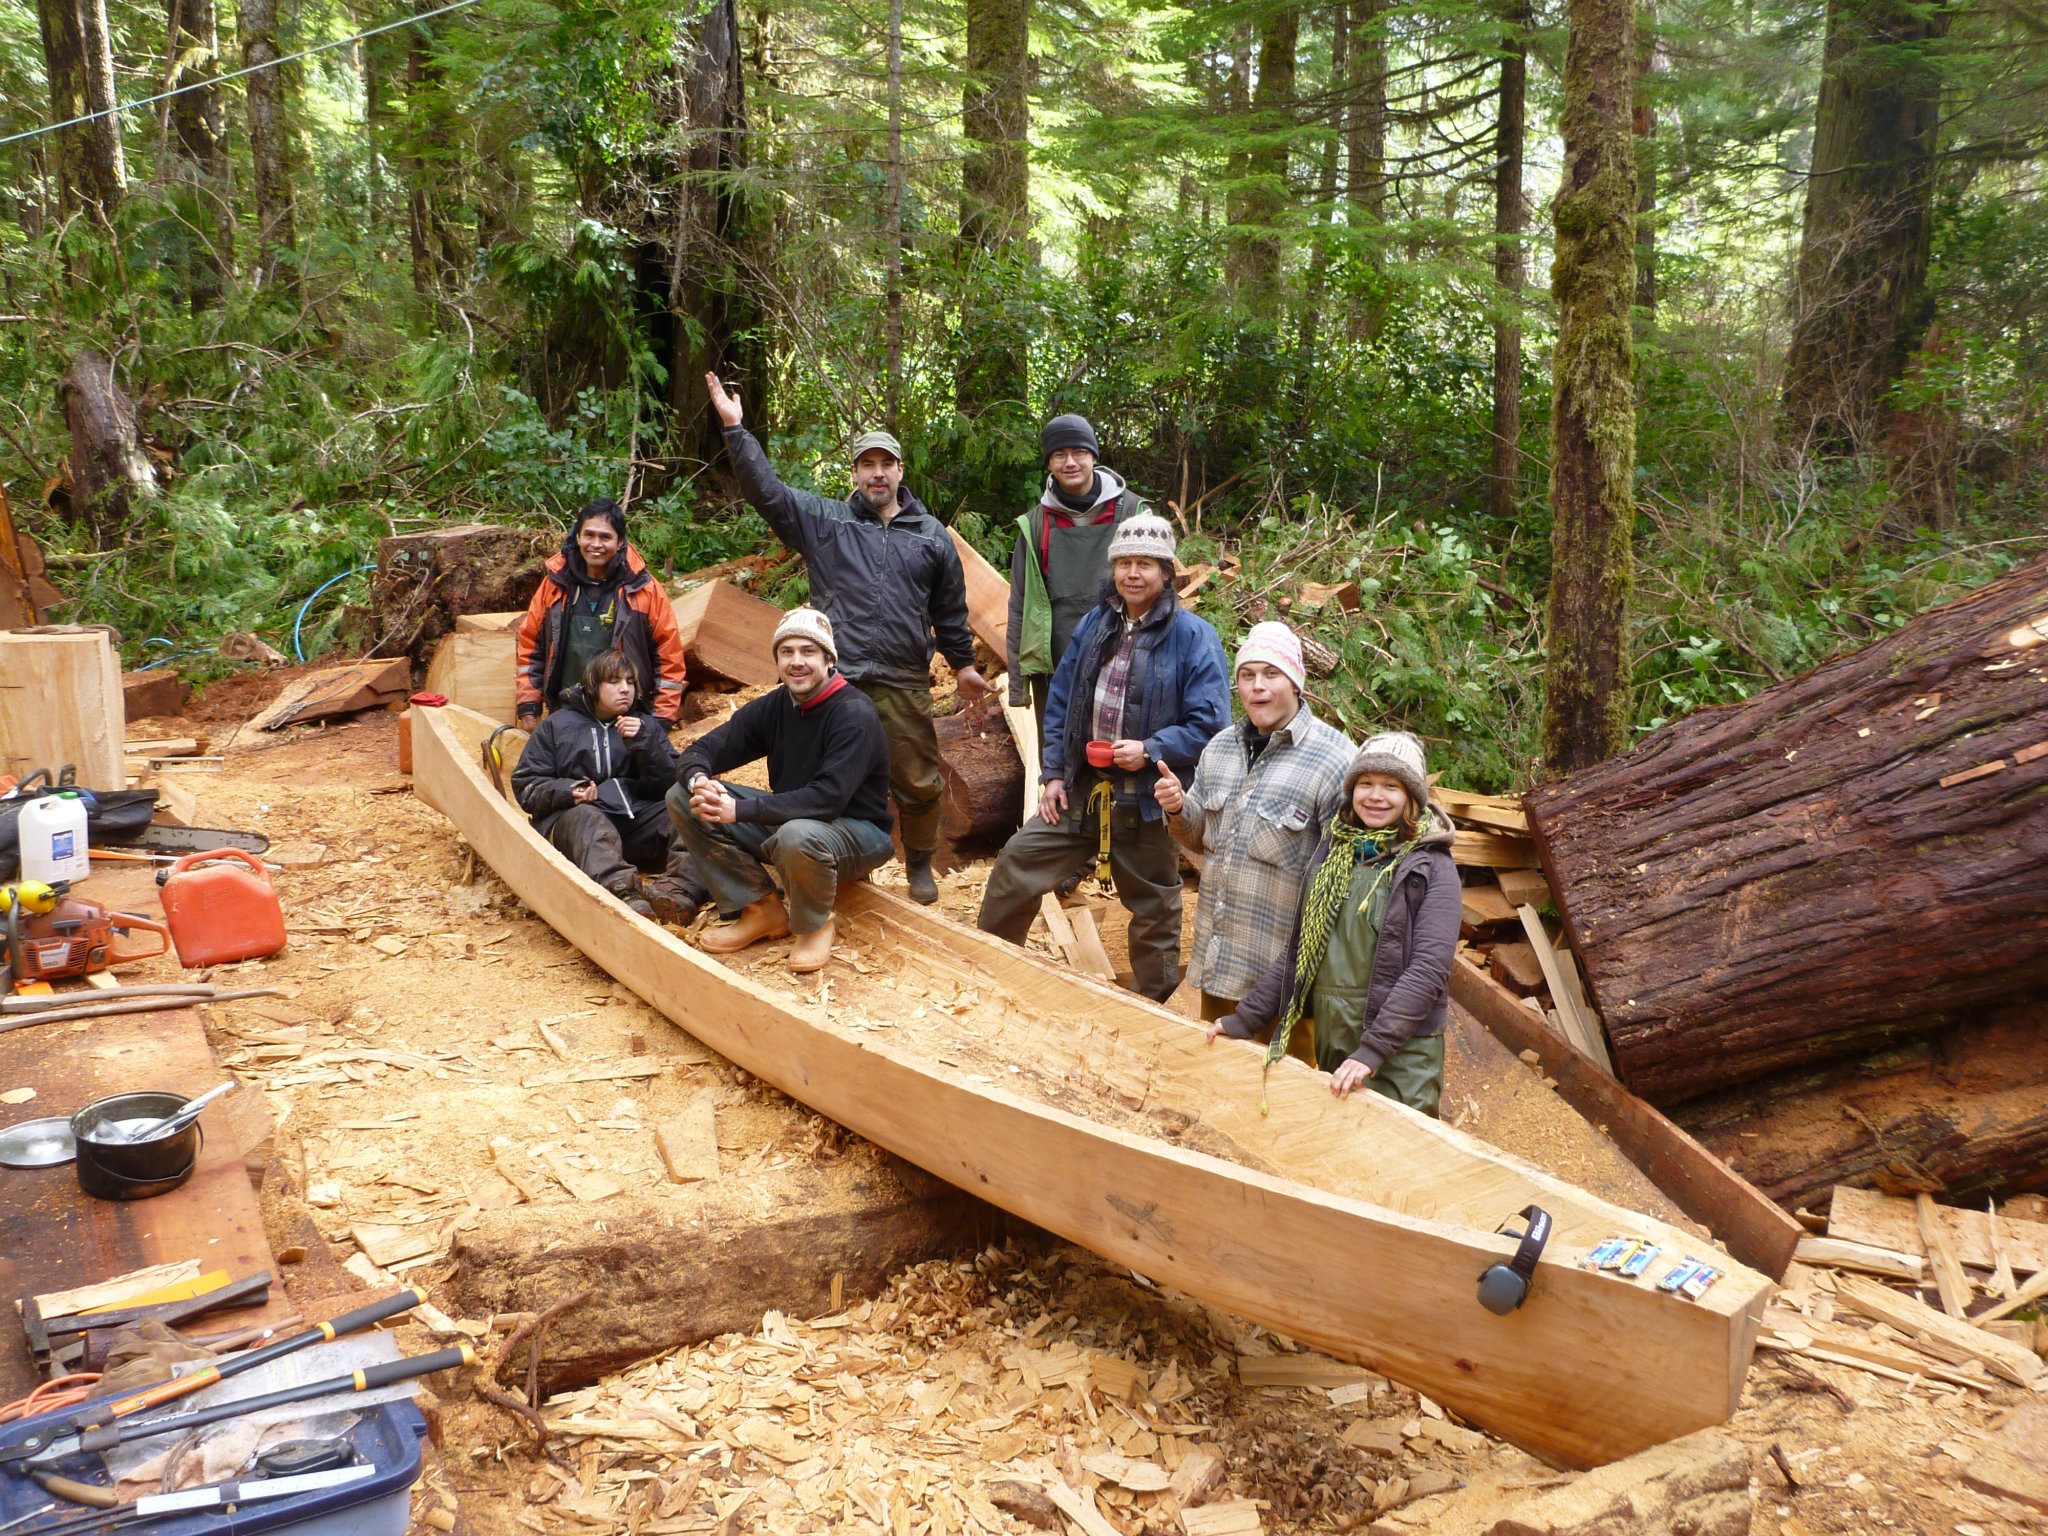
269	138
1862	300
1508	265
88	165
1593	420
197	161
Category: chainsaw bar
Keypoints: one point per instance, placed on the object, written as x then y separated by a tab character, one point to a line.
159	837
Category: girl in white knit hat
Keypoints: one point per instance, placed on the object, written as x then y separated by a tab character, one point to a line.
1368	969
1255	810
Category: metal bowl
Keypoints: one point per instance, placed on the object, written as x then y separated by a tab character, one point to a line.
134	1170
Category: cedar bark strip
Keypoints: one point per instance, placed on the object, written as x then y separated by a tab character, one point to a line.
1593	422
1784	881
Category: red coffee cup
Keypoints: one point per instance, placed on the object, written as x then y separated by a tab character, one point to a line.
1101	753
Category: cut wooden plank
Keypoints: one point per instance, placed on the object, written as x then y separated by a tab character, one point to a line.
1949	1281
1320	594
488	623
1023	726
1524	887
331	691
1080	1508
1515	966
385	1245
478	670
1300	1371
728	632
1582	1030
988	601
1756	1229
1484	905
1494	813
1892	1364
120	1290
1088	940
1837	1253
1403	1206
584	1184
2031	1292
175	804
1916	1319
150	694
1226	1517
60	703
1887	1221
688	1144
169	746
1492	850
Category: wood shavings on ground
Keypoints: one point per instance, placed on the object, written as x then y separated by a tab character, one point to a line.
1050	1370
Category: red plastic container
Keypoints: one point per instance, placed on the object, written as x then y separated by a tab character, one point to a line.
222	913
1101	753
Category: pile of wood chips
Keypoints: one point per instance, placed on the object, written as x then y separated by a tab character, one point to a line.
1020	1390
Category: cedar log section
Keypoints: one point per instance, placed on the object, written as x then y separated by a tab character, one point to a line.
1699	1183
1961	1113
1374	1262
1854	856
60	703
983	798
728	633
711	1258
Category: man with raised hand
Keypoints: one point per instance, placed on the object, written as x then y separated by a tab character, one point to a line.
825	818
886	573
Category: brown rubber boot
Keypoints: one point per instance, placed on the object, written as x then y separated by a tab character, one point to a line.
763	919
812	950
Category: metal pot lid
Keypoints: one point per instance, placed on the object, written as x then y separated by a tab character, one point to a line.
37	1144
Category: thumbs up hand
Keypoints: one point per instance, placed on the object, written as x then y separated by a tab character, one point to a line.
1168	792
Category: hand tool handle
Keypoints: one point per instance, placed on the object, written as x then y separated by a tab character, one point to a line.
209	854
129	922
364	1380
319	1333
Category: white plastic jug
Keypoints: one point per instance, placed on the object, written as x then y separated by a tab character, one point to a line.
53	845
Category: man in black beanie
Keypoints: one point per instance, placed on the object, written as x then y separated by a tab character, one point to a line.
1061	558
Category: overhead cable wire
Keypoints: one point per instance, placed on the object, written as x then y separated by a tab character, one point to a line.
207	85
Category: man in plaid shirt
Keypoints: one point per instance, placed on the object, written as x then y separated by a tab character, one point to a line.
1261	794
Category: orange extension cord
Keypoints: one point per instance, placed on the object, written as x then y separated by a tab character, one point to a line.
61	1392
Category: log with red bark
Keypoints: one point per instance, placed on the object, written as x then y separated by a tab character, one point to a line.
983	801
1853	857
1961	1113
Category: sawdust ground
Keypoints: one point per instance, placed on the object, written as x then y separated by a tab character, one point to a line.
392	1066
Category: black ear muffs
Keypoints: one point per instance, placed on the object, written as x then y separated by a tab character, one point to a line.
1505	1287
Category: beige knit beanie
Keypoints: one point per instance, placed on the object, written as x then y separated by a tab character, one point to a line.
806	624
1398	754
1148	534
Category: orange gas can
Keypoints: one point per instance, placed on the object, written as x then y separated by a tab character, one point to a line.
223	913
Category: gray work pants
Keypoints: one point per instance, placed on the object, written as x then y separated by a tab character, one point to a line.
1142	862
614	852
809	858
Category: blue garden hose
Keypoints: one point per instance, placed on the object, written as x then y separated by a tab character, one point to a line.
297	653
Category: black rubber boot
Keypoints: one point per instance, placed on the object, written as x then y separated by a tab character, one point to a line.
924	889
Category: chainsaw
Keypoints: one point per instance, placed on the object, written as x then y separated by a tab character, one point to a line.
52	934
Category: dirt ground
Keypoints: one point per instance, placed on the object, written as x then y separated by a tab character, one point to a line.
420	1068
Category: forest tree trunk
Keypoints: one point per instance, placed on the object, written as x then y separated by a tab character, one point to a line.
892	255
269	142
1644	126
198	166
110	469
1586	708
1260	204
1862	299
1849	857
991	379
1325	214
1365	149
89	165
707	302
1508	263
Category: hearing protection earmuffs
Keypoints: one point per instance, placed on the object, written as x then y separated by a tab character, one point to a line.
1504	1287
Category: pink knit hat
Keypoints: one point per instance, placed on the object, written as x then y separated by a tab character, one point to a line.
1277	646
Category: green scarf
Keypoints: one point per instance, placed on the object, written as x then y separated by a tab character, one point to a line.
1350	844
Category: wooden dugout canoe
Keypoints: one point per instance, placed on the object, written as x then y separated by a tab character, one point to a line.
1356	1226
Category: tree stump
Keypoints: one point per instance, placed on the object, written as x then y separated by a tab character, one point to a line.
110	467
425	581
1854	856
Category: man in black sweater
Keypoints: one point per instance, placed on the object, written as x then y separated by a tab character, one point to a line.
824	819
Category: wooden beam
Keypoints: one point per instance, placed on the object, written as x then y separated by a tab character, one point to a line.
1581	1030
728	632
60	702
988	600
1756	1231
1492	850
1837	1253
1910	1316
1949	1281
1403	1206
1887	1221
477	669
330	691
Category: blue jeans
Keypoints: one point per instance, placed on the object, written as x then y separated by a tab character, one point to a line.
810	858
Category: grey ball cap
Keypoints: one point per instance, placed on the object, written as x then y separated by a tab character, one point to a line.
886	441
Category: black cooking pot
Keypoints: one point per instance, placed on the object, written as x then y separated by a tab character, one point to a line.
134	1170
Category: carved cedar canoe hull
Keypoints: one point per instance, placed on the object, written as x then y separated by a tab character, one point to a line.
1376	1260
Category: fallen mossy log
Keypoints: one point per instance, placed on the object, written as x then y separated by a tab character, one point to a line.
1852	857
710	1258
1961	1113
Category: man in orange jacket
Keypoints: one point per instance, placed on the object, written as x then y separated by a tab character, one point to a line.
598	595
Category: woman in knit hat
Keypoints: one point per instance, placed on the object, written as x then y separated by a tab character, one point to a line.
1368	968
1255	810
